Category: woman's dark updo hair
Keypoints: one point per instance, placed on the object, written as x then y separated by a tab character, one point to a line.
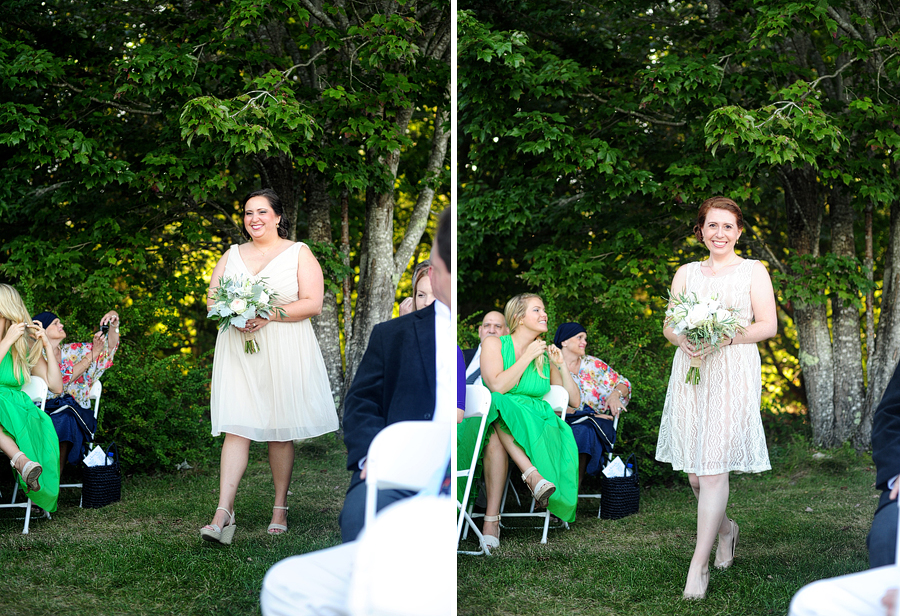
274	201
719	203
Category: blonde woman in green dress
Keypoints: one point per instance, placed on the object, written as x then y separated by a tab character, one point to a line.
519	369
27	434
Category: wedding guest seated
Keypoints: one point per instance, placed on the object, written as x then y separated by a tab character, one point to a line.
873	591
397	381
422	295
27	434
493	324
81	364
517	370
602	389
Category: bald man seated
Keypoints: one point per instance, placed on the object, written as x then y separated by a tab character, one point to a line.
493	324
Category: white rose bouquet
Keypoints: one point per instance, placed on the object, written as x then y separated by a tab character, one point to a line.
239	299
702	321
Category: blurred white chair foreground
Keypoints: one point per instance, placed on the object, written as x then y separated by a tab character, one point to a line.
402	564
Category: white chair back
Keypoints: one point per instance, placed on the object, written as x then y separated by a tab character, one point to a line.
37	390
558	399
478	404
94	396
405	456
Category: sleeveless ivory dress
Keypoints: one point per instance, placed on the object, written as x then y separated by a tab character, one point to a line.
281	392
715	426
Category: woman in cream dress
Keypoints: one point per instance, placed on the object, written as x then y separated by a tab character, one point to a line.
280	393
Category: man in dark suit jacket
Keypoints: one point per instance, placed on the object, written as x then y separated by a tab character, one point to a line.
882	540
396	381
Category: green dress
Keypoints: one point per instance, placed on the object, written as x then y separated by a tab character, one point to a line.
32	430
545	437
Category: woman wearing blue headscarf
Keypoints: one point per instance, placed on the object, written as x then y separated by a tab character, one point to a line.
602	389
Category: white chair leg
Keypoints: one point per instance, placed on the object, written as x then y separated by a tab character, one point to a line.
546	527
27	517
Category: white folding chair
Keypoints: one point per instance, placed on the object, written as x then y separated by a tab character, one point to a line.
94	397
478	404
37	390
405	456
558	398
609	455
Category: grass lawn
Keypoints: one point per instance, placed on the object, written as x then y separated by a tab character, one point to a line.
144	555
806	519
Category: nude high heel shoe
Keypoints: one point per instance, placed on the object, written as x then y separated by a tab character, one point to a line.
542	491
29	473
212	532
490	540
688	596
734	541
277	529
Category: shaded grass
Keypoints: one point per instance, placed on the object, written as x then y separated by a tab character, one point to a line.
143	555
637	565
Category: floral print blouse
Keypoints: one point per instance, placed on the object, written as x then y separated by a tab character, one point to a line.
596	380
80	388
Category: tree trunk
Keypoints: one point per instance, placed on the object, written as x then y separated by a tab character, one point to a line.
804	215
326	325
883	361
278	174
849	386
377	280
419	218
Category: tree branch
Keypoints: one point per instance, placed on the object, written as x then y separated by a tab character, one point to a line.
318	13
844	24
108	103
635	114
418	220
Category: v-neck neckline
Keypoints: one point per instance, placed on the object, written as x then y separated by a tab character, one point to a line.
263	268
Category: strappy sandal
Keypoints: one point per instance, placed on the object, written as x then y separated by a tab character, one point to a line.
212	532
29	473
277	529
491	541
542	490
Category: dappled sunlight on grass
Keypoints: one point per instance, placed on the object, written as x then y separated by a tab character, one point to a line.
637	565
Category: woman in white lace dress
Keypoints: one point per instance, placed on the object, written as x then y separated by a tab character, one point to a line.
714	427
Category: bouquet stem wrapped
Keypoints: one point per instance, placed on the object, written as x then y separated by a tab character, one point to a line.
250	343
704	322
238	300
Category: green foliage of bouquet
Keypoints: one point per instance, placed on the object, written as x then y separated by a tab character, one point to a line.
704	322
240	299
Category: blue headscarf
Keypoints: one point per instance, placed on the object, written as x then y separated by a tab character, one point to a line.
46	318
566	331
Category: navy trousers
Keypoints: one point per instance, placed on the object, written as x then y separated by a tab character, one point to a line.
882	539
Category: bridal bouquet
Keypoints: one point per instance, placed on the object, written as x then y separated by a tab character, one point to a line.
703	321
239	299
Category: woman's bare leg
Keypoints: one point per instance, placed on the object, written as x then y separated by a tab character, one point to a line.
235	453
519	457
712	499
64	448
281	461
496	464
